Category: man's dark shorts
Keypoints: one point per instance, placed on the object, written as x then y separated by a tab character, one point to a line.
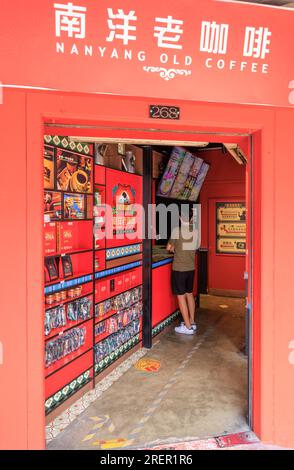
182	282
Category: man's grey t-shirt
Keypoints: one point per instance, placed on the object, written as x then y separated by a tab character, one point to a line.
184	241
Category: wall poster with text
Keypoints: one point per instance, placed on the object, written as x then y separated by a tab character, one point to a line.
231	228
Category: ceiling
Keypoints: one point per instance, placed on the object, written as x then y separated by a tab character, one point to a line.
280	3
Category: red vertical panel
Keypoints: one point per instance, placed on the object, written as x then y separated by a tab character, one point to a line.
116	183
35	284
164	303
283	346
264	373
13	321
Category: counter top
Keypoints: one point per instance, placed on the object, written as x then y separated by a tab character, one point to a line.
160	256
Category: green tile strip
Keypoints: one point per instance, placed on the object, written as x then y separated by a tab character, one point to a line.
68	390
65	143
104	363
158	328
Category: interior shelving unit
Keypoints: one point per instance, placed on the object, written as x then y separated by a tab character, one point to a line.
92	284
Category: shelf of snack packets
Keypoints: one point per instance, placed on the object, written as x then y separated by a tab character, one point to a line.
86	305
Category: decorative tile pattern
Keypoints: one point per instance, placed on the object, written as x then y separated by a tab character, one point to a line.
61	422
104	363
118	269
65	284
120	252
65	143
68	390
158	328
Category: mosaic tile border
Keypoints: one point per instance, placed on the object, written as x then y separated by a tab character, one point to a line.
158	328
65	284
104	363
67	391
120	252
63	142
118	269
60	423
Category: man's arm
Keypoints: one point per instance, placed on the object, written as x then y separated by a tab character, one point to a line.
172	241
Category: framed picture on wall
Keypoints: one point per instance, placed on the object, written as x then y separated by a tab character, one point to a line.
74	206
73	172
52	206
231	228
49	167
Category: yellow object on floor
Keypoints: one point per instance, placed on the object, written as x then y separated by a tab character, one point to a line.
148	365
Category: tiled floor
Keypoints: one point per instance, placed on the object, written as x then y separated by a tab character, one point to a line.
200	390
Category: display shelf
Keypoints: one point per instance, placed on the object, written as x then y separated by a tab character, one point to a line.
69	191
63	329
70	359
63	361
115	295
80	278
67	301
74	237
100	337
118	269
116	354
86	219
64	253
114	312
107	315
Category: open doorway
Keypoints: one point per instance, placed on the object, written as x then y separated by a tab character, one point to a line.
145	405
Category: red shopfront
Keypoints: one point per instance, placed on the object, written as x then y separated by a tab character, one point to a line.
57	82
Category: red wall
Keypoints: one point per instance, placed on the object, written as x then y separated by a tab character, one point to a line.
22	117
225	181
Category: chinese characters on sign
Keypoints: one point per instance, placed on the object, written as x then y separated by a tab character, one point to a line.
230	228
168	34
172	28
214	37
70	19
121	29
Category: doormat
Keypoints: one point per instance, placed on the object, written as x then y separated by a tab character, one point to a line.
236	439
213	443
148	365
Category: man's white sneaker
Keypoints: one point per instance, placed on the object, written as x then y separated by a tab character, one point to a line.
184	330
193	325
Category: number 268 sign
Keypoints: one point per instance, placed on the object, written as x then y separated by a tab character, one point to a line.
164	112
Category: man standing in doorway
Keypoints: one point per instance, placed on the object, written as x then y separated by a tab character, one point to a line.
183	244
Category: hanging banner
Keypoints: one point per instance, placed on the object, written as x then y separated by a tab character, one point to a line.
209	50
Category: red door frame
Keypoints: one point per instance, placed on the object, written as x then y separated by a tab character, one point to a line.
119	117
